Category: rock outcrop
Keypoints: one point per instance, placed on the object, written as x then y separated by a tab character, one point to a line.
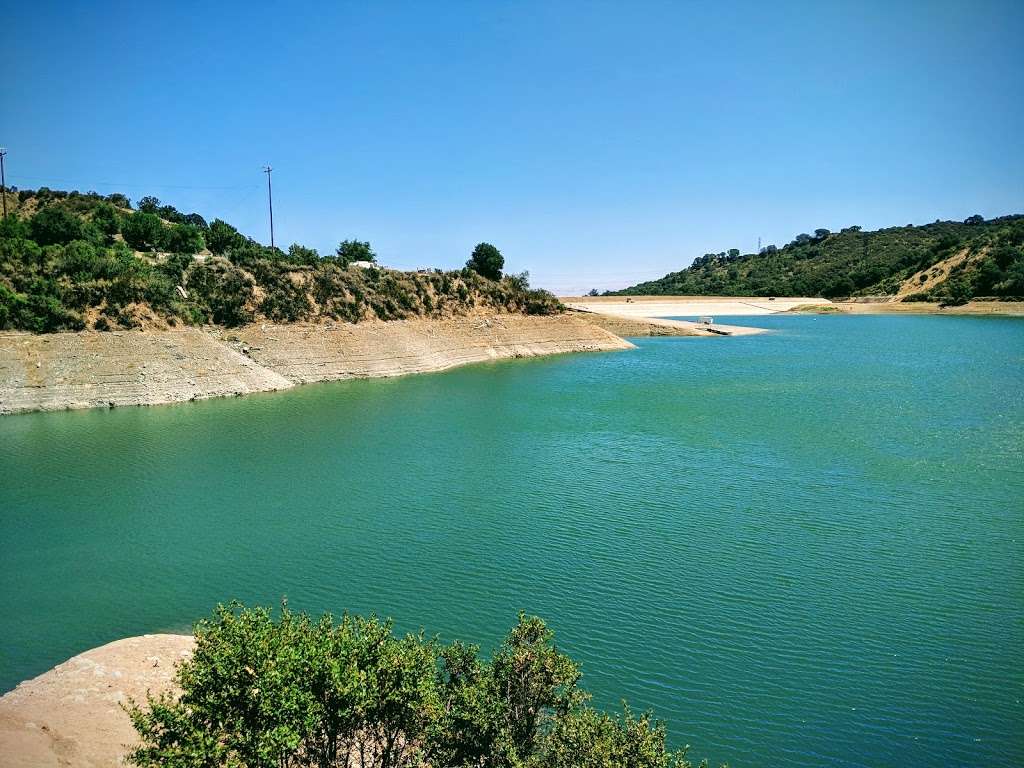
306	353
73	716
91	369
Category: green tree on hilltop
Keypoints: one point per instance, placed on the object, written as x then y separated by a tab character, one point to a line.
142	231
300	254
354	250
149	204
487	261
222	236
182	238
55	225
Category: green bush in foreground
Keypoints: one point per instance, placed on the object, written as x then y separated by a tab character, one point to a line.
293	691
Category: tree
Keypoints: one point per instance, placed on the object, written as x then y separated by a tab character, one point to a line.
593	292
182	238
486	261
170	213
821	234
142	231
222	236
354	250
300	254
55	225
197	221
107	219
975	219
149	204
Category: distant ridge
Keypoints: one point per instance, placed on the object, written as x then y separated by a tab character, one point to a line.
947	261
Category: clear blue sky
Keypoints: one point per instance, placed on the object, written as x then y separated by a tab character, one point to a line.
596	144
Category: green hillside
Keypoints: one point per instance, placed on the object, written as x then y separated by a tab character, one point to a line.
70	261
945	261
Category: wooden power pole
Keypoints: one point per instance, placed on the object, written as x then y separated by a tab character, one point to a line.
3	180
270	201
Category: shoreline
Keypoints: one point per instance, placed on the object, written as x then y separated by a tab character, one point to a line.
91	369
737	306
72	715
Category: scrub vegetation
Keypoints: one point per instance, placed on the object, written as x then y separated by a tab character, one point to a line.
949	261
70	261
289	690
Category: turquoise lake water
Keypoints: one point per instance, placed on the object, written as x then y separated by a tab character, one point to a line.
800	549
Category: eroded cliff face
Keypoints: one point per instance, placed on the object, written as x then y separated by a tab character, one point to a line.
88	370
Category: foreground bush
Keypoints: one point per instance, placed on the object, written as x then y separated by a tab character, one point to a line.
290	691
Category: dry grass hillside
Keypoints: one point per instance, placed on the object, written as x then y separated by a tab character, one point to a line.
73	261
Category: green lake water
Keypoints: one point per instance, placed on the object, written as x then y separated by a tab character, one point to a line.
800	549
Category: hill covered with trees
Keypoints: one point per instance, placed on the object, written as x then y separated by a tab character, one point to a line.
947	261
70	261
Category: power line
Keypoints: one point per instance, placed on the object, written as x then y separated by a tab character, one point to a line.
49	180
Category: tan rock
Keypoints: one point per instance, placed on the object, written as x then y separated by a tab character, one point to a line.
72	715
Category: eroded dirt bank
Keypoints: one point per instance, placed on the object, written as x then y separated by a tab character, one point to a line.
59	371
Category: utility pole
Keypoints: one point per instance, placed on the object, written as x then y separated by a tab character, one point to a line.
3	180
270	201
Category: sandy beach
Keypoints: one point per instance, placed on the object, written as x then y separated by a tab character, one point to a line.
726	306
687	306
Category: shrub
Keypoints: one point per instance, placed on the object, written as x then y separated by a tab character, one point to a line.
222	292
291	691
591	739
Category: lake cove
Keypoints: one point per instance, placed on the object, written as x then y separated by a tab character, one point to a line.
801	548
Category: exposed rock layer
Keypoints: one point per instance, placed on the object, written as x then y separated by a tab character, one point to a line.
89	369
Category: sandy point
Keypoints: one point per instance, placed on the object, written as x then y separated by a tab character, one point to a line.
72	715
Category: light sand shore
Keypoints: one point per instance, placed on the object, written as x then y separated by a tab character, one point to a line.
72	716
686	306
1008	308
